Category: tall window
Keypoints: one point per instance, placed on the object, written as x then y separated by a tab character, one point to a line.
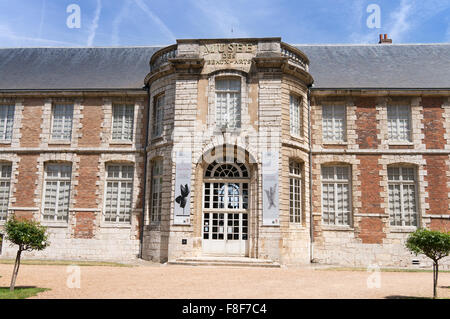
119	193
62	122
57	192
336	195
157	178
6	122
123	121
402	196
5	183
228	103
295	115
399	126
158	114
295	192
333	123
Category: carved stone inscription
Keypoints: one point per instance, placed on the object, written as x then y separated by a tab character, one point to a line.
228	53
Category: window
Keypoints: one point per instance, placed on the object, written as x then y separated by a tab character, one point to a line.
62	122
157	179
57	192
295	116
228	103
158	114
119	193
399	126
295	192
333	123
5	182
402	196
336	195
6	122
123	121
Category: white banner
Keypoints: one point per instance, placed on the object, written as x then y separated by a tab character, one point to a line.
182	188
270	185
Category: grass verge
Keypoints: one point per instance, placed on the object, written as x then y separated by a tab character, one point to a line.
381	269
64	263
20	292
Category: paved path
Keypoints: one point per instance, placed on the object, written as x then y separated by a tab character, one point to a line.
180	282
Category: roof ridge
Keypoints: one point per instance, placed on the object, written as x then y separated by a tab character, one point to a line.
84	47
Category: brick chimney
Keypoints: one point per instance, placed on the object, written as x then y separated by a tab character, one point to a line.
384	39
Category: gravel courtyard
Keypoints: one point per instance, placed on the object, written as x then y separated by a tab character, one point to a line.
181	282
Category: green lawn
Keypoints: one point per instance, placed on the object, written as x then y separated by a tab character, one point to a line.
382	269
64	263
20	292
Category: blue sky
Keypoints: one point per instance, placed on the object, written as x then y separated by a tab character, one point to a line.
28	23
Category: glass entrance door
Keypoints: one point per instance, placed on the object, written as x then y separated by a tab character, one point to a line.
225	218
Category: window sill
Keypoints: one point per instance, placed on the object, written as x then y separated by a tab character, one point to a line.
337	228
297	138
334	143
60	142
404	229
156	139
5	142
125	142
115	225
400	143
55	224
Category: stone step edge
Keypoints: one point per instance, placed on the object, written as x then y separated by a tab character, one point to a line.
221	263
191	259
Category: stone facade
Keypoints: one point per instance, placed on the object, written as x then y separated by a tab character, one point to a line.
269	74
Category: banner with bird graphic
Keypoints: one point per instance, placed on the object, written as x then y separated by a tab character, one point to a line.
182	188
270	184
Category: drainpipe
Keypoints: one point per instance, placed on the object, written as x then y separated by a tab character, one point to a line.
141	235
311	220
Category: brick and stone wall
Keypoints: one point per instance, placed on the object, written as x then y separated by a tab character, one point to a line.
85	235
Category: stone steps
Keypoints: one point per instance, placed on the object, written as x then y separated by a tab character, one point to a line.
224	261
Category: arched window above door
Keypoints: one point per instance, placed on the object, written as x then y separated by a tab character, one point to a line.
226	170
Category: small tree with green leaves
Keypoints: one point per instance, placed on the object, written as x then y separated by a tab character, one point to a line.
28	235
433	244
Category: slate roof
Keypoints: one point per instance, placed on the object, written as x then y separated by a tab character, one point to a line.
74	68
408	66
405	66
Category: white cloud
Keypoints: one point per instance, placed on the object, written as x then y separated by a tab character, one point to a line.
41	24
94	25
162	26
118	20
8	36
400	21
223	18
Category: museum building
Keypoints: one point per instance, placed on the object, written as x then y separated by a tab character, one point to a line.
238	148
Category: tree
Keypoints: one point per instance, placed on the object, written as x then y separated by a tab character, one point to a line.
433	244
28	235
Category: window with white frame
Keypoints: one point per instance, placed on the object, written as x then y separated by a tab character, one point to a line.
119	193
399	126
402	196
62	122
5	183
57	192
295	192
158	114
6	122
228	103
157	179
123	122
333	123
295	115
336	205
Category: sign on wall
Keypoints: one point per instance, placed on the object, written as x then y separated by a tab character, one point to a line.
182	188
270	187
